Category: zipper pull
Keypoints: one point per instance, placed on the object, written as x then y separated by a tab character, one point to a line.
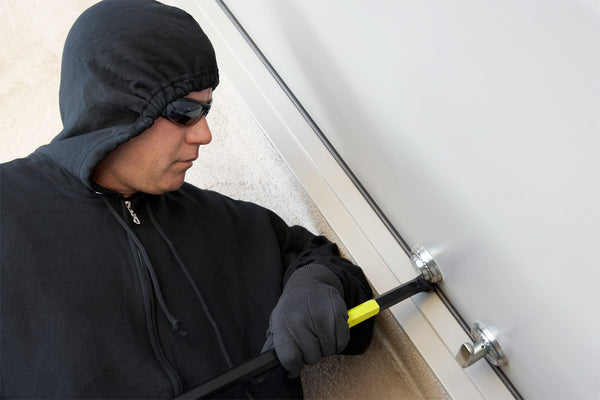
134	216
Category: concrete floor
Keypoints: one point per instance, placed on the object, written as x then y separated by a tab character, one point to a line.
240	162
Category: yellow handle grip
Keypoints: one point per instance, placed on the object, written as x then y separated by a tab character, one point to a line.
362	312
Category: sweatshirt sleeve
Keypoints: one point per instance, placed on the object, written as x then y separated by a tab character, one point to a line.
299	248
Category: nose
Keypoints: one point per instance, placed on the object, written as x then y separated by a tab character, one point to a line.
199	133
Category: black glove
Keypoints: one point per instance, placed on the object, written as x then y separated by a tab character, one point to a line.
310	320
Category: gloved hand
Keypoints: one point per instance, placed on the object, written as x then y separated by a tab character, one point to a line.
310	321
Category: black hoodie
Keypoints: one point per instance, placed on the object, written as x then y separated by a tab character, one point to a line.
95	305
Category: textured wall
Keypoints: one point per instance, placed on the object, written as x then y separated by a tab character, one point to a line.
240	162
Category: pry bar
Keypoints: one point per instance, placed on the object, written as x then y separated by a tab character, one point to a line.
268	359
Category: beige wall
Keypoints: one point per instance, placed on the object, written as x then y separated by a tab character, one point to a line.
240	163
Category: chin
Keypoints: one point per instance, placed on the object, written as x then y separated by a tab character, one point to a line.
168	183
173	185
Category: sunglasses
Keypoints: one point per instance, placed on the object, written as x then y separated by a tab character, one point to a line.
185	112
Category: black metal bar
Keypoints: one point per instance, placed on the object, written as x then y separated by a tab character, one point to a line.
268	360
403	292
250	369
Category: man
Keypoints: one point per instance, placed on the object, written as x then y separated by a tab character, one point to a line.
119	280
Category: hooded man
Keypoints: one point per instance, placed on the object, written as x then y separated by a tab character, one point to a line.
119	280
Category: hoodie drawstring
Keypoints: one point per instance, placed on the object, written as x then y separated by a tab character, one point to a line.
175	324
192	283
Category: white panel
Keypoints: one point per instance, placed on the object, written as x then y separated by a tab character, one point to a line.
474	129
474	125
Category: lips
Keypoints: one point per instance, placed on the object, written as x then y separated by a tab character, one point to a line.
189	160
185	164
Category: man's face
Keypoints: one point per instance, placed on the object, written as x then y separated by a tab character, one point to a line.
155	161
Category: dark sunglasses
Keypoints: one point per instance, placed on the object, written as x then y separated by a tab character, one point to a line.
185	111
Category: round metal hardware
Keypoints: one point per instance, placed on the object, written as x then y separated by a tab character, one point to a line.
494	354
485	346
424	263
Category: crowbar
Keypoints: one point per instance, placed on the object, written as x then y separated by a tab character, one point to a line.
268	359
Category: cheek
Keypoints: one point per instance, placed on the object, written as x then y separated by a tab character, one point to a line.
157	147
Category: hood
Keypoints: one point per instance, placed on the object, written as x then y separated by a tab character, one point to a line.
123	61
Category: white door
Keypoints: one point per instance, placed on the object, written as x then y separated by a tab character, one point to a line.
475	126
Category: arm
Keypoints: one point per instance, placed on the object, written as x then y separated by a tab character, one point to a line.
310	319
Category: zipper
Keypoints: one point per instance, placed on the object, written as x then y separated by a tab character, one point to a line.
134	216
148	295
150	310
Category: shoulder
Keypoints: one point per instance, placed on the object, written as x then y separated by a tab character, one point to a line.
204	197
211	203
18	165
21	171
36	174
